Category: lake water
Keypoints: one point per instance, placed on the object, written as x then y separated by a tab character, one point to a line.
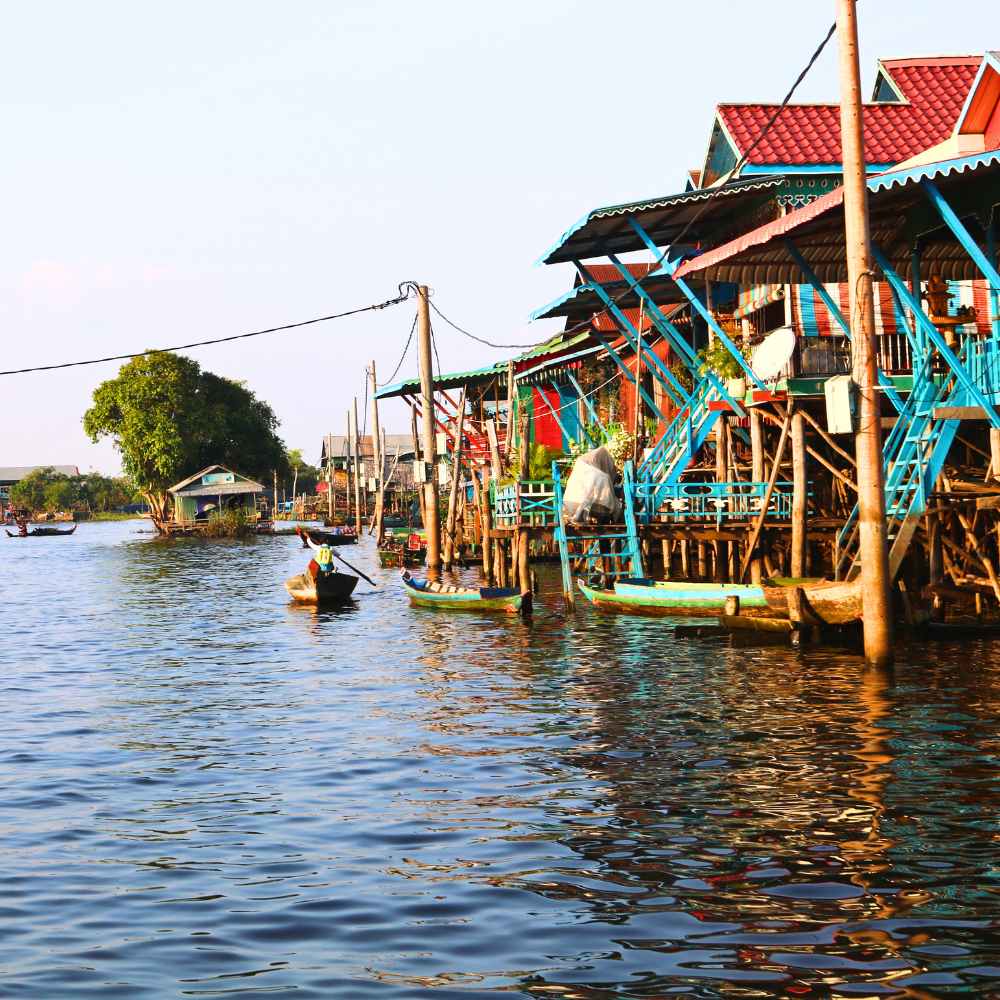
207	792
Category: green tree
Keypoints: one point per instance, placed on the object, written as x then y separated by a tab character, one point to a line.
169	418
29	493
304	476
60	494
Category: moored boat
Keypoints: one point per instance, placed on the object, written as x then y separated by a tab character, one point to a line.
328	536
323	588
824	602
673	597
432	594
42	532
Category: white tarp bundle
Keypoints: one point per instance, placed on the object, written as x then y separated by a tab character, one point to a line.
590	490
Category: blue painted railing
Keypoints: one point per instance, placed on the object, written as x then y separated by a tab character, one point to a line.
530	502
717	502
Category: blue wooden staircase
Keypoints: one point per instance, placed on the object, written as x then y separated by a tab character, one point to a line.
664	465
914	454
602	552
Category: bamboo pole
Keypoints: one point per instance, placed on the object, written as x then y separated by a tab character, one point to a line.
416	459
456	476
799	491
356	446
874	551
432	525
379	459
756	475
765	503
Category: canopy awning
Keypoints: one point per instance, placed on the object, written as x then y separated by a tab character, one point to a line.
901	218
690	216
451	380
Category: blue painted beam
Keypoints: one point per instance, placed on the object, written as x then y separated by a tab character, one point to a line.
932	333
669	264
834	310
678	395
590	406
952	221
616	357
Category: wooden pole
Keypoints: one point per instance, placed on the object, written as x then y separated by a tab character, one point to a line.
721	476
274	511
456	476
356	447
766	501
417	458
874	556
524	570
757	475
329	478
379	458
432	525
799	490
486	517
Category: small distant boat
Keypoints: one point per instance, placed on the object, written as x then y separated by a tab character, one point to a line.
42	532
324	588
328	536
431	594
673	597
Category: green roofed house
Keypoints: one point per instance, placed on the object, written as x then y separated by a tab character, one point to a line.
214	490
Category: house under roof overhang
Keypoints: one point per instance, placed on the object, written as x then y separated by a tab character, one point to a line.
901	218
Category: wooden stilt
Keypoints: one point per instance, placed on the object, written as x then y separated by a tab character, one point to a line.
757	475
799	561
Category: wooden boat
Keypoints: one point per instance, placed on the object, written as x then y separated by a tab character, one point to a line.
324	588
430	594
329	536
41	532
673	597
824	602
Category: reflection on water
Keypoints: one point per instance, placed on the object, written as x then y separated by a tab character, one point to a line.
209	792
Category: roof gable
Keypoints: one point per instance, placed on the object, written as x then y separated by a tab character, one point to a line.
932	91
199	479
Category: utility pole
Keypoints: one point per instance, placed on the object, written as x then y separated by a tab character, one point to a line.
876	598
379	457
357	469
329	479
431	522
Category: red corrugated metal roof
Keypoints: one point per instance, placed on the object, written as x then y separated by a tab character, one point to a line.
607	274
935	90
604	323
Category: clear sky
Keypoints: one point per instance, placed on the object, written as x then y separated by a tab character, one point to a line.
181	171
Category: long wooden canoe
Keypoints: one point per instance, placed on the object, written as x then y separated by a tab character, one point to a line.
673	597
324	588
42	532
825	602
428	594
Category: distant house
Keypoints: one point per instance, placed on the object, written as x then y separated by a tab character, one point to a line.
11	475
213	490
335	452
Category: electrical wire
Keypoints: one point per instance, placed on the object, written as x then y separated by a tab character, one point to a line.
402	357
374	307
765	129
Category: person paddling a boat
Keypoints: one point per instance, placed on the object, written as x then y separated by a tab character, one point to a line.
322	561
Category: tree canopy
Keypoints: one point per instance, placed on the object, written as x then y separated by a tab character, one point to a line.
48	490
169	418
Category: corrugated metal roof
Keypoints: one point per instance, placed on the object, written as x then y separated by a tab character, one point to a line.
451	380
761	256
607	230
15	473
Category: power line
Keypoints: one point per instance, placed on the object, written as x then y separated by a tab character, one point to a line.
374	307
402	357
765	129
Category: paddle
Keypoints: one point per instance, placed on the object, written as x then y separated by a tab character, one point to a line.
355	568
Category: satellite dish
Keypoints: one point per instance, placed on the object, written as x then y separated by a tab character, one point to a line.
770	356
